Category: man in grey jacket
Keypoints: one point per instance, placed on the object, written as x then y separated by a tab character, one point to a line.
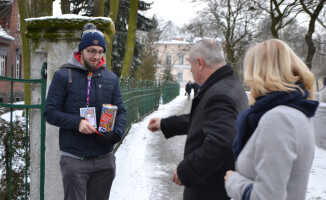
210	126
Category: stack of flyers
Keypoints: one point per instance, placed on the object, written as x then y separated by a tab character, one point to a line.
107	120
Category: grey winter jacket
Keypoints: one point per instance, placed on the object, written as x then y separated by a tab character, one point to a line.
277	158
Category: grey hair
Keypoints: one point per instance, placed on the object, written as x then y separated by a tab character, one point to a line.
210	51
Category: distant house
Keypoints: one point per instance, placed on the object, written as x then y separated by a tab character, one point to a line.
10	50
174	53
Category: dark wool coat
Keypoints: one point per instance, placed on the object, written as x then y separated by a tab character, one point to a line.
210	129
65	99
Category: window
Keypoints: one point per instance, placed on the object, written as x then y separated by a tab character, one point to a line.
180	59
168	59
18	22
180	76
2	65
17	66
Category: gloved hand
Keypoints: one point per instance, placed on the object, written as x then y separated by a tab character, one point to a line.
107	138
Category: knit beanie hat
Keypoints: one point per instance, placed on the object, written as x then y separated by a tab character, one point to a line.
91	36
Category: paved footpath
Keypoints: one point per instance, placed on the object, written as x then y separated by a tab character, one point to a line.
146	162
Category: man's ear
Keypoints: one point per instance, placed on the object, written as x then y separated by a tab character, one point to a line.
201	63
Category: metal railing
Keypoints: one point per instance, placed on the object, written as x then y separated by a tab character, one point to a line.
170	91
7	191
143	97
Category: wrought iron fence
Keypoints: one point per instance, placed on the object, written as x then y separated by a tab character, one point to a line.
15	184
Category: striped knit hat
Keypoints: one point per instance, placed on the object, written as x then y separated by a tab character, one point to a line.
90	37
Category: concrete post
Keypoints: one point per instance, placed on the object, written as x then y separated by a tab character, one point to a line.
52	40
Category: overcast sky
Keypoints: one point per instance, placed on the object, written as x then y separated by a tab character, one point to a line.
177	11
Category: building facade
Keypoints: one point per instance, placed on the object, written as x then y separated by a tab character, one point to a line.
174	54
10	50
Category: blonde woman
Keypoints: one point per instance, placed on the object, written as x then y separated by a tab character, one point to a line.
274	148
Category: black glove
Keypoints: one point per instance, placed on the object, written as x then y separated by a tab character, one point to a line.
107	138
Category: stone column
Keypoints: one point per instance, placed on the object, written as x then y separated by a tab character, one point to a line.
52	40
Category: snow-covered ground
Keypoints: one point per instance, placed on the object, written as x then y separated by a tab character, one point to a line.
147	171
135	145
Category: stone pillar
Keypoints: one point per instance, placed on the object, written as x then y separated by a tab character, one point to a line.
52	40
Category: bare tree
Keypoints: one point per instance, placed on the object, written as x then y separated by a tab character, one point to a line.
169	30
313	9
233	22
281	12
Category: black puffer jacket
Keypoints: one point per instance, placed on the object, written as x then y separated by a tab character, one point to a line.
210	129
65	99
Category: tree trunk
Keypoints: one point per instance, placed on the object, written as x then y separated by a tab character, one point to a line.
311	49
274	31
27	9
131	36
24	13
65	7
40	8
311	30
114	9
99	8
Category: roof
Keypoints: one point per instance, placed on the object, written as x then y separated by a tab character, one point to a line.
4	34
173	42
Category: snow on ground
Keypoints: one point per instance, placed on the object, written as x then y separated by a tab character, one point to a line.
140	189
317	179
131	158
17	114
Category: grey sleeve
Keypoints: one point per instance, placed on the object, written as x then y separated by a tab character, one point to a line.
236	185
275	151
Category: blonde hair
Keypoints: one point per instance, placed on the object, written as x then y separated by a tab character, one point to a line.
273	66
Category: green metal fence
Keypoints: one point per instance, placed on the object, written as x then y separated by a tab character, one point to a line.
143	97
10	186
170	91
140	99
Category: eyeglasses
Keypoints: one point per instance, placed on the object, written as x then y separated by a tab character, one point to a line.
93	52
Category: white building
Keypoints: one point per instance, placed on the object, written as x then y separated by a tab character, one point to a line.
174	53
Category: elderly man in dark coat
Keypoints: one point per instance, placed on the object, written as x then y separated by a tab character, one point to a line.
210	126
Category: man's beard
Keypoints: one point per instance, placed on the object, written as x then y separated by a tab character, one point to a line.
88	66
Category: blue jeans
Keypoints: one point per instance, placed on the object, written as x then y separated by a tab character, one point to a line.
90	178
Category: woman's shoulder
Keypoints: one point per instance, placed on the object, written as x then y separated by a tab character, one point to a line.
285	117
283	111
